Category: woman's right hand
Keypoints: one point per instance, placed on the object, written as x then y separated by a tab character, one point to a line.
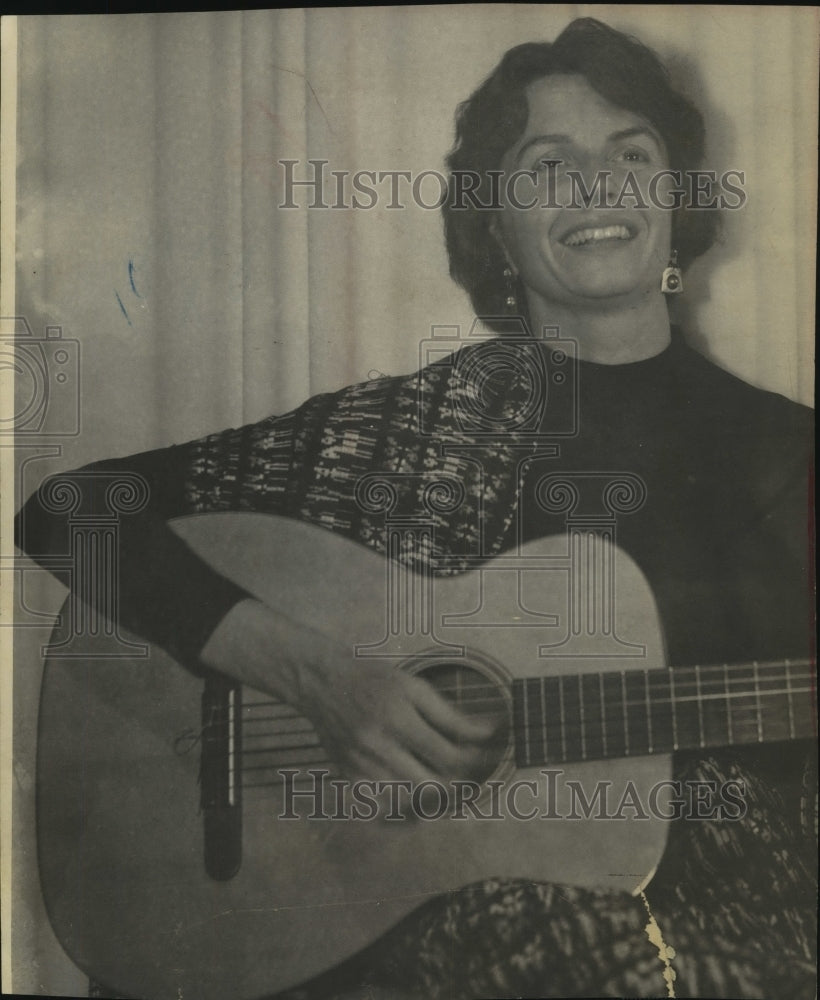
375	722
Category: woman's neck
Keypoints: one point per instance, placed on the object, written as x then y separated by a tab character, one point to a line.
608	336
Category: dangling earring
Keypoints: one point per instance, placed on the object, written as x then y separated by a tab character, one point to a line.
672	280
510	300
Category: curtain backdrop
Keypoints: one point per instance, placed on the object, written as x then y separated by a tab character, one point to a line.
149	226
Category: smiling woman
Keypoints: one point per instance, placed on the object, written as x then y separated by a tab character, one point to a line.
567	256
602	122
587	415
591	115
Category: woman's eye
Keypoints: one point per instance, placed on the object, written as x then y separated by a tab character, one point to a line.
633	155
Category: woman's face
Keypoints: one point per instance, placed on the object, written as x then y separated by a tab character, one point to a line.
580	256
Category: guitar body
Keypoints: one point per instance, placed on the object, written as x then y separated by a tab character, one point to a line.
120	828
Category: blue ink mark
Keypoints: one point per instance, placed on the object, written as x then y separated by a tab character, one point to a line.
123	308
131	269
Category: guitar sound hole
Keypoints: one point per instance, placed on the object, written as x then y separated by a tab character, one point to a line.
480	697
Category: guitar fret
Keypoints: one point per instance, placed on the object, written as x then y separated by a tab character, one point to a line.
519	695
581	716
636	713
715	706
593	717
563	718
775	715
614	714
805	708
661	716
626	721
544	718
674	710
789	695
757	703
534	728
699	697
572	728
552	697
527	755
690	726
742	708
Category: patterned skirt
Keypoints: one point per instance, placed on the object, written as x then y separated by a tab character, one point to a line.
731	913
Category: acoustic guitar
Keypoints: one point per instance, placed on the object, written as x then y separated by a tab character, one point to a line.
195	841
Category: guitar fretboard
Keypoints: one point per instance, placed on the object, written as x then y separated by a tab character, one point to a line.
596	716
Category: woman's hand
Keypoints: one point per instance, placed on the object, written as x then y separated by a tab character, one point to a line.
375	722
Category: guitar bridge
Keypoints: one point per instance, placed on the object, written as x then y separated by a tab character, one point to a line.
221	777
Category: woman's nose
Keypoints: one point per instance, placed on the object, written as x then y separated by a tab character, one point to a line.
592	183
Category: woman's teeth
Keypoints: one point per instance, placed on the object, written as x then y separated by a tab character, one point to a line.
582	237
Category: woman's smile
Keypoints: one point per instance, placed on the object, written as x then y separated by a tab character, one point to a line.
592	238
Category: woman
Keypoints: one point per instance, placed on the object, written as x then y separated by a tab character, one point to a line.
723	466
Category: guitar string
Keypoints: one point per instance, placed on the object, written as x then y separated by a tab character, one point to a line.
741	728
690	741
686	734
468	703
720	691
687	740
468	690
593	711
779	667
688	737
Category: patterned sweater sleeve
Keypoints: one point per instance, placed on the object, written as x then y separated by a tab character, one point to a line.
167	594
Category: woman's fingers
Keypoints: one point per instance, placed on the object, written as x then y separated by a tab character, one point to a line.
387	760
382	724
449	720
444	757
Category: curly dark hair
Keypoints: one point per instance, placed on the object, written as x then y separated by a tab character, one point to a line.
488	123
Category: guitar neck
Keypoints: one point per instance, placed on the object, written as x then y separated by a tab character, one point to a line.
616	714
